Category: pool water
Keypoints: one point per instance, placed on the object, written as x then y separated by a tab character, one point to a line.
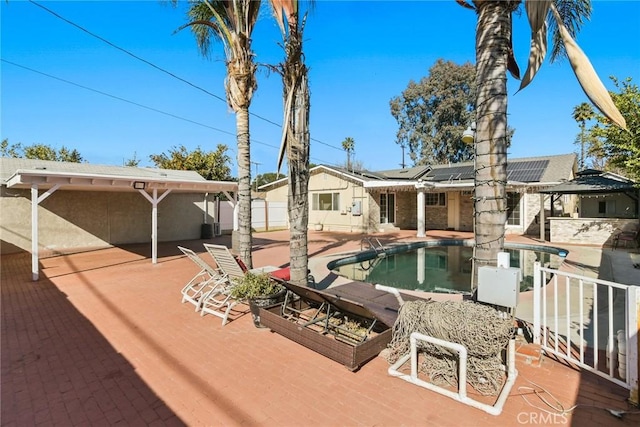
444	269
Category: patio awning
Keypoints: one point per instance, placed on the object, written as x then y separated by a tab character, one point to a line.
153	184
595	182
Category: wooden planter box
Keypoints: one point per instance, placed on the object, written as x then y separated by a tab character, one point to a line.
350	355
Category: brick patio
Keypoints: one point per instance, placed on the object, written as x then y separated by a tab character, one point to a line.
102	339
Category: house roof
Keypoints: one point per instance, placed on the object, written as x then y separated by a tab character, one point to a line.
413	173
21	173
591	181
542	170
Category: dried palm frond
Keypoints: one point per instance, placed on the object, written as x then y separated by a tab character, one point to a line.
537	15
587	76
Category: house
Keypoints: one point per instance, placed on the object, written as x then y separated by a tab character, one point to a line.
426	197
60	206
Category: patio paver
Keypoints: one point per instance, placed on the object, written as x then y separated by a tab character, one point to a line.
102	339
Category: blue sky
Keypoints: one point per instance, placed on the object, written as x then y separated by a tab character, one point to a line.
361	54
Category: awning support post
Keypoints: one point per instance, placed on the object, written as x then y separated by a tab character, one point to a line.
421	214
35	201
154	220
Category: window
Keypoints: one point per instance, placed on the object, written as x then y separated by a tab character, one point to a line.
436	199
325	202
602	207
513	208
435	261
607	207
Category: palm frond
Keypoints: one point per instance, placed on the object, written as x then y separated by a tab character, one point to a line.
587	76
466	5
537	11
537	15
573	13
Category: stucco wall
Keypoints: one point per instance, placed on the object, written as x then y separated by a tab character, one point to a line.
618	205
342	219
80	219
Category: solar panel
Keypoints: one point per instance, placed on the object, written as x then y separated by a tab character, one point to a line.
527	171
453	173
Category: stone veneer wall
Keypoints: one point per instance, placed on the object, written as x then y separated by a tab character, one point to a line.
466	212
437	217
593	231
406	210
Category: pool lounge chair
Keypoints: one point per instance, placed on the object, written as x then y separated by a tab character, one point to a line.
628	234
219	301
206	280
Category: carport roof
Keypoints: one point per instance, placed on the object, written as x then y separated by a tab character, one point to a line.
21	173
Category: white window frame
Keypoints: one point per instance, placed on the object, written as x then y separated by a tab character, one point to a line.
440	199
521	204
335	202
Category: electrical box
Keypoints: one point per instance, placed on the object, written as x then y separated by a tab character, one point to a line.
499	286
356	208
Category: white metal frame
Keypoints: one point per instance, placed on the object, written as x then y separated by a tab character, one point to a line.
461	394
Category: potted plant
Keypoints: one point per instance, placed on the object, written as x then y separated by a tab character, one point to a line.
260	290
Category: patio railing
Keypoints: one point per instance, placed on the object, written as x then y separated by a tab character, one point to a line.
588	322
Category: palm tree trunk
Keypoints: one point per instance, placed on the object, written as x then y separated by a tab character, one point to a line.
244	186
298	158
490	202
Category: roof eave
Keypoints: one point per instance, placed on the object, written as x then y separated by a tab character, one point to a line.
26	178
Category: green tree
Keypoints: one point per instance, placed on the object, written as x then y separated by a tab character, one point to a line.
348	145
494	57
40	152
266	178
621	147
433	113
10	150
581	114
132	162
295	132
231	22
212	165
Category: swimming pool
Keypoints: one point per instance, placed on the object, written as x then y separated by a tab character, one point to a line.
437	265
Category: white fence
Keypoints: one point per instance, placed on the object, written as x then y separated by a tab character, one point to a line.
264	215
589	322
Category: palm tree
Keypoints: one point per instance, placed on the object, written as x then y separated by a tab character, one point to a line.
348	145
232	22
581	114
494	57
295	133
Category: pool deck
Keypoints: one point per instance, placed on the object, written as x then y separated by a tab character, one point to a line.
102	339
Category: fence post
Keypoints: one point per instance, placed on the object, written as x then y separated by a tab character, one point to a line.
537	289
633	326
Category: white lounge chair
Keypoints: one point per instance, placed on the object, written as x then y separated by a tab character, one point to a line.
208	279
220	303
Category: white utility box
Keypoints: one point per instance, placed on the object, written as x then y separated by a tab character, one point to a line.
499	286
